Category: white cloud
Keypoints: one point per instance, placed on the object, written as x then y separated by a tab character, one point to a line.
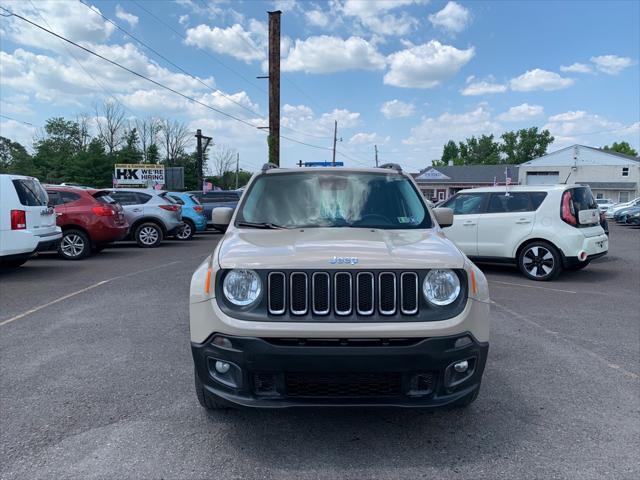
62	18
576	68
453	18
303	119
18	132
570	116
590	129
130	18
426	65
18	104
183	19
483	88
397	109
376	17
326	54
521	113
611	64
246	45
317	18
368	139
538	79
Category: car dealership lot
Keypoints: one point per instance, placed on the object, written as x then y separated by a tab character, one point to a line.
96	382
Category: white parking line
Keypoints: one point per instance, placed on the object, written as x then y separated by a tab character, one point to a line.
562	337
532	286
86	289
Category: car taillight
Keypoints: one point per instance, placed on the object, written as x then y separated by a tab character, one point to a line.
171	208
566	210
103	211
18	220
198	209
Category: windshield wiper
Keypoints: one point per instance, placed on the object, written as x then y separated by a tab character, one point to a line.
264	225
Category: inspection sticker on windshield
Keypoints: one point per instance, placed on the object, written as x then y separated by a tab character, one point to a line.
406	220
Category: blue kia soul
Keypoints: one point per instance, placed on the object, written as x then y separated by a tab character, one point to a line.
192	214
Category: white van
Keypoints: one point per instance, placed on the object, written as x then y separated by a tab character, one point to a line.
542	229
27	223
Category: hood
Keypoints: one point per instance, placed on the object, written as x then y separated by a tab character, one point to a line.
338	248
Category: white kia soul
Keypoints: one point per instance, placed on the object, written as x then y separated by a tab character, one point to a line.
542	229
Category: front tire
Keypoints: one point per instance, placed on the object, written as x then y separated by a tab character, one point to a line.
148	235
74	245
187	231
540	261
206	400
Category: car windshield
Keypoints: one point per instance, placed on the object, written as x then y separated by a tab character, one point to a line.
334	199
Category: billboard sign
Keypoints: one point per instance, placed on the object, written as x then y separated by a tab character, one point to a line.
138	175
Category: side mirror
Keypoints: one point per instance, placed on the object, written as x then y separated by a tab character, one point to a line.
221	217
444	216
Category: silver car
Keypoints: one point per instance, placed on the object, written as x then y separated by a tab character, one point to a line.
151	214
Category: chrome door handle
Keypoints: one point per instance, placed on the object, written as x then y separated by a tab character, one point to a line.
136	210
469	224
523	220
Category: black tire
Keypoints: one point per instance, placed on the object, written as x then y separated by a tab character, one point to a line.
148	235
11	264
206	400
74	245
540	261
579	266
187	231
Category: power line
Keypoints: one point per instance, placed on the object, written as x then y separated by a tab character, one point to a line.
168	60
15	119
158	19
133	72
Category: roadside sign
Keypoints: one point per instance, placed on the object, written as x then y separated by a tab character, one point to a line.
323	164
138	175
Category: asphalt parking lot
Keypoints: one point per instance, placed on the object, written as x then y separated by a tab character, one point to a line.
96	382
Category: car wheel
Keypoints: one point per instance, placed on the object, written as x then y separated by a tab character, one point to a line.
540	261
74	245
579	266
187	231
206	400
148	235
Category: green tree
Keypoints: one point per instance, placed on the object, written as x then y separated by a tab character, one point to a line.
93	166
56	151
621	147
525	144
479	151
14	158
450	153
129	153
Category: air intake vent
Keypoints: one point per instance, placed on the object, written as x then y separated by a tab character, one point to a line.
343	293
366	293
277	289
387	293
299	303
321	293
409	293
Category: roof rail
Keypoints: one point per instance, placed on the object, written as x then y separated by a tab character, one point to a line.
393	166
268	166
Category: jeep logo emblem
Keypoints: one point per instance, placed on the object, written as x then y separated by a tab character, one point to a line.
344	260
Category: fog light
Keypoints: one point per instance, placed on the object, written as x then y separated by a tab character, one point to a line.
223	367
462	342
459	367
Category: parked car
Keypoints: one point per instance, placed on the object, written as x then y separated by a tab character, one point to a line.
150	215
633	217
215	199
192	214
621	216
27	222
542	229
604	204
344	292
611	211
89	220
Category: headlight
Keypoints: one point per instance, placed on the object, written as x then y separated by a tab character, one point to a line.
242	287
441	287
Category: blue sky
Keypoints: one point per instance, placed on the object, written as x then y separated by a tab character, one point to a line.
406	75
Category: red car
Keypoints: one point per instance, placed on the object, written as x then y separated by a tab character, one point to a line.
89	219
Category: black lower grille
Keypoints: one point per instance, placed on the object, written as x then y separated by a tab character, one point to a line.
343	384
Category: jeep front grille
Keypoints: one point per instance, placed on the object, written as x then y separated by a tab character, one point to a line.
343	293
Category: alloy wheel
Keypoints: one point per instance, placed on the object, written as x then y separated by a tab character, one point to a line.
185	232
73	245
148	235
538	261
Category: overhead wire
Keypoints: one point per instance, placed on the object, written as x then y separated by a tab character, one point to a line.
15	119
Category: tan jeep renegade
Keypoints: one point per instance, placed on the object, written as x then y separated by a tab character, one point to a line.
337	287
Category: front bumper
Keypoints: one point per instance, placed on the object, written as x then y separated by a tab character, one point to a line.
278	373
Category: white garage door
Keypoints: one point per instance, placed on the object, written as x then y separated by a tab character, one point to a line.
543	178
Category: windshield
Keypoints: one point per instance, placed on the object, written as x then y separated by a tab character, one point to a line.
334	199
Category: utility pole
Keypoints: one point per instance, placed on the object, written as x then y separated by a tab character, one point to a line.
237	168
335	139
274	87
376	148
200	149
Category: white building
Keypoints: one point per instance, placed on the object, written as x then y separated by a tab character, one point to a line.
609	174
